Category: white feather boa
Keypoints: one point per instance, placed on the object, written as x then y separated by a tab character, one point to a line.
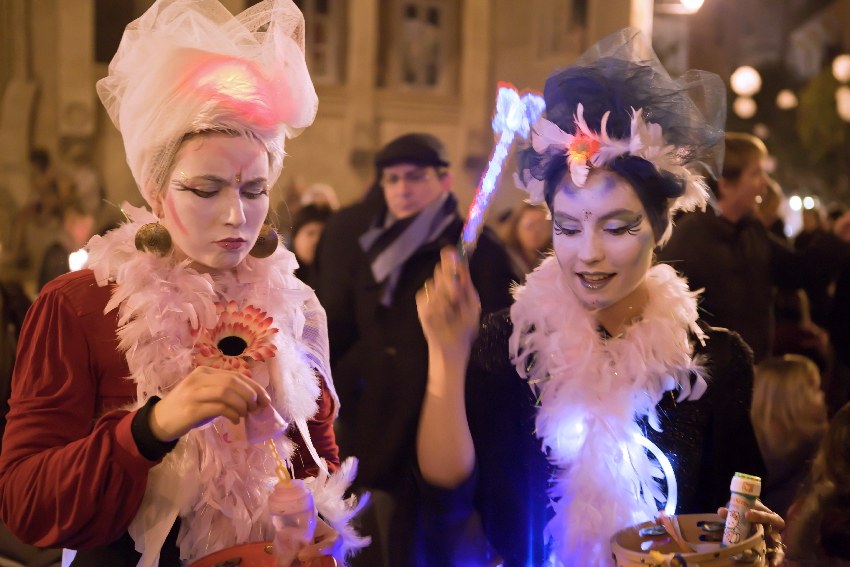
219	489
591	393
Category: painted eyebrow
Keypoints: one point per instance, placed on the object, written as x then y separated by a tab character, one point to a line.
221	180
603	218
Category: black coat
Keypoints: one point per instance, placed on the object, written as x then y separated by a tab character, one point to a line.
738	264
379	355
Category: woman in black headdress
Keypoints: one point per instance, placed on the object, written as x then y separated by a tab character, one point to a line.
602	359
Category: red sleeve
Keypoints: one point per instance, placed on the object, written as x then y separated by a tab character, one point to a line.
322	435
68	478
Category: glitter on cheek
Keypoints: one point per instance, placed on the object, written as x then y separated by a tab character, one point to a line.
169	200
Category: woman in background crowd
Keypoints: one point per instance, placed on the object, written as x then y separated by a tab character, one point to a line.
789	417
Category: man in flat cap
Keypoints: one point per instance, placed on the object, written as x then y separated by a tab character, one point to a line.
372	259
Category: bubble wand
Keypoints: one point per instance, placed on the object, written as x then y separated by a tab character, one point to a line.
514	115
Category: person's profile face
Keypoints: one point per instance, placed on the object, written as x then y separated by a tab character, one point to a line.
409	188
533	229
216	199
751	186
602	238
305	241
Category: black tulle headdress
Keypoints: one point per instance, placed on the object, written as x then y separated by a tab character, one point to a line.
618	108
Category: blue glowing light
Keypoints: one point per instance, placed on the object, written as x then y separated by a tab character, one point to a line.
672	488
514	115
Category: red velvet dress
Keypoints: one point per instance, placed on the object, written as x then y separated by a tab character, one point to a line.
71	474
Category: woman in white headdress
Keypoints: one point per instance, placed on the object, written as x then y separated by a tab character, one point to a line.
149	381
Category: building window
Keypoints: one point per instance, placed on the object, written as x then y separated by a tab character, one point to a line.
419	44
325	35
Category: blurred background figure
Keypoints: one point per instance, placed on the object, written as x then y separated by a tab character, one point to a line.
818	524
813	227
768	209
529	239
90	192
789	418
77	228
307	227
320	194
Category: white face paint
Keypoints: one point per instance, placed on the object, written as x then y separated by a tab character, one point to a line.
603	239
216	199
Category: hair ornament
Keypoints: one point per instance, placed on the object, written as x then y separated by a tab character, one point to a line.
616	103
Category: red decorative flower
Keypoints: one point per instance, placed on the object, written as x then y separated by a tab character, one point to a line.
237	337
582	148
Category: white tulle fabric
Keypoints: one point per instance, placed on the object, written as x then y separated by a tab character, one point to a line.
591	392
188	66
218	488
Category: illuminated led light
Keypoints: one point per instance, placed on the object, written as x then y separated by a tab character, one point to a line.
692	5
808	203
795	203
669	474
77	259
514	115
841	68
786	99
745	81
842	101
745	107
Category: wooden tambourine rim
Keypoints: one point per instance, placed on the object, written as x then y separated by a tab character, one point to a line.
720	558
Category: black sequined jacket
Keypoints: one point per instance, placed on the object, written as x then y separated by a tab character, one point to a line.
502	509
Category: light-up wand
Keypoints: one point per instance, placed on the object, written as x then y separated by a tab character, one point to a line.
514	115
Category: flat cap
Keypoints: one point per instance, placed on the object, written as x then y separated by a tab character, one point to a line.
420	149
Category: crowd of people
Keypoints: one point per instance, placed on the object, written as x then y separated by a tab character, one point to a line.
632	335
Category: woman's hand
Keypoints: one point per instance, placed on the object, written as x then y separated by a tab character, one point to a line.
325	549
773	527
206	393
448	306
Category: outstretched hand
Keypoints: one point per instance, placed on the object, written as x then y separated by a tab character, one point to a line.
448	306
206	393
773	527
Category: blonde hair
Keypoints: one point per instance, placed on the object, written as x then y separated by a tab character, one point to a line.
788	406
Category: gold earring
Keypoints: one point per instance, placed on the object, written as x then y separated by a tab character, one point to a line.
153	237
266	242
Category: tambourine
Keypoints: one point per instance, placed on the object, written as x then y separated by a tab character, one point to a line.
251	555
632	546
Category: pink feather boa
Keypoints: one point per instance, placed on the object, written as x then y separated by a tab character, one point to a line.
591	392
219	489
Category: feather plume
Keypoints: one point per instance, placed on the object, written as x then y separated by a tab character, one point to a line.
592	391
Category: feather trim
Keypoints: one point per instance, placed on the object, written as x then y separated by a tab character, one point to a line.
217	483
337	511
591	393
646	141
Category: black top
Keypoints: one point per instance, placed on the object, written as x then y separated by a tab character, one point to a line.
706	440
738	264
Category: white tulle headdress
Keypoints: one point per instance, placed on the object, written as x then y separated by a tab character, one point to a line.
618	108
189	66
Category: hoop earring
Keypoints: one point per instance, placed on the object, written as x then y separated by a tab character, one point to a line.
266	242
153	237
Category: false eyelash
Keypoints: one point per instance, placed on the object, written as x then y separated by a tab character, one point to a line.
565	231
198	192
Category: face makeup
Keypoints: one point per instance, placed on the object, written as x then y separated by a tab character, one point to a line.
217	199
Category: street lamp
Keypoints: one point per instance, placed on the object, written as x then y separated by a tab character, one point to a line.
841	68
745	81
745	107
691	5
786	99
